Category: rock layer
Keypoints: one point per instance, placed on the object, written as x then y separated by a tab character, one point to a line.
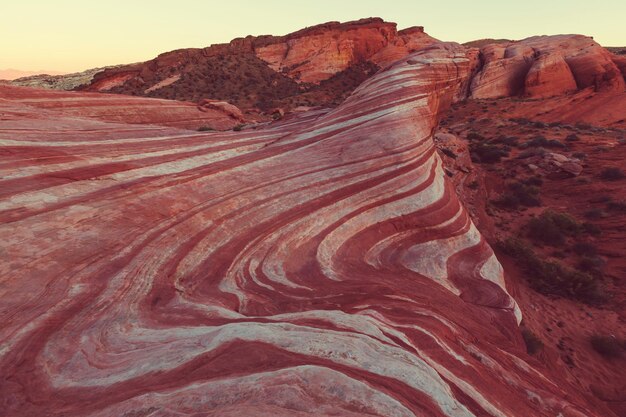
134	110
544	66
322	64
322	265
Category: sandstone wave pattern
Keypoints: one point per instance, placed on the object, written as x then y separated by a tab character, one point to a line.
317	266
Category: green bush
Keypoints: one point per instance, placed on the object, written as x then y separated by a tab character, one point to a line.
595	214
475	136
536	181
205	129
584	249
552	228
541	141
591	229
528	153
612	174
608	346
551	277
517	195
533	343
591	264
616	206
448	152
487	153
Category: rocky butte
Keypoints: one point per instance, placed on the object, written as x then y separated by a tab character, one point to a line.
321	264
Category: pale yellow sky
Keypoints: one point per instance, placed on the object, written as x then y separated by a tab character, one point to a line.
73	35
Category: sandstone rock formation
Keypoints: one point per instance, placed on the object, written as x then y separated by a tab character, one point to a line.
544	66
124	109
269	71
322	64
317	53
59	82
321	265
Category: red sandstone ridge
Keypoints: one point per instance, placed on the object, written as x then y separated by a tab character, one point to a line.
319	65
317	53
322	265
322	64
134	110
544	66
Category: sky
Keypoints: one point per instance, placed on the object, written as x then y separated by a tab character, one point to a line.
74	35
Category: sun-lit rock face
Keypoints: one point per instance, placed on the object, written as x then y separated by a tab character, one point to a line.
544	66
318	53
125	109
315	54
549	76
321	265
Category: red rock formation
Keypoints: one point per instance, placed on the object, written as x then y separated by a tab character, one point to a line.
316	54
322	265
124	109
544	66
322	64
549	76
268	71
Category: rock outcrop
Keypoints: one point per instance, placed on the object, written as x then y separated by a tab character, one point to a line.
317	53
271	71
321	265
323	64
124	109
59	82
544	66
549	76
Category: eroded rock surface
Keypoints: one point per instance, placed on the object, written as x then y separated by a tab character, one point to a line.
322	265
124	109
545	66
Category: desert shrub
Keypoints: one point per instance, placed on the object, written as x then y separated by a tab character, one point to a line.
584	249
612	174
552	228
506	140
601	199
595	214
572	137
579	155
591	264
448	152
533	343
205	129
608	346
541	141
521	121
238	128
535	142
537	181
475	136
616	206
473	185
487	153
517	195
540	125
528	153
591	229
553	143
550	277
583	126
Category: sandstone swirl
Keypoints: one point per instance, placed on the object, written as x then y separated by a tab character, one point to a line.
319	266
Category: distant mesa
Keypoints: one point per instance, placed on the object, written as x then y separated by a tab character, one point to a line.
12	74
